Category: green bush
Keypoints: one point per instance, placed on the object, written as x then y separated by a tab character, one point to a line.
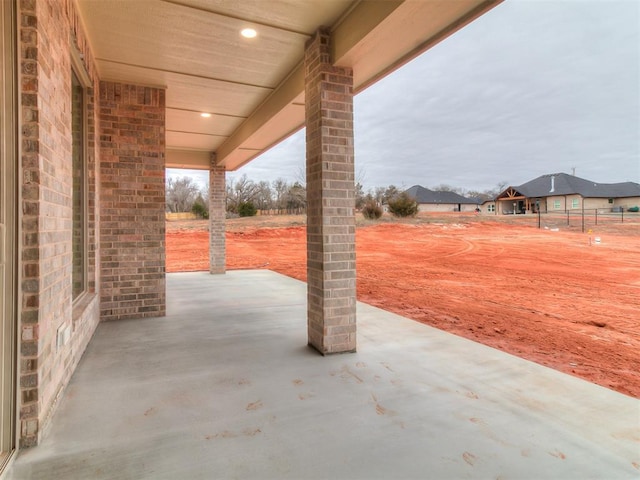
371	210
403	205
247	209
200	210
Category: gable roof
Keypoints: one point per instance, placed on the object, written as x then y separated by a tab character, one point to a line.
564	184
424	195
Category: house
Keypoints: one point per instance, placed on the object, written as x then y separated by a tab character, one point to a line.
98	98
561	192
441	201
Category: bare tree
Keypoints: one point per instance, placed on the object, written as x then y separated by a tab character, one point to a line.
301	175
264	197
500	187
204	192
280	188
296	198
181	193
243	190
361	175
492	193
378	195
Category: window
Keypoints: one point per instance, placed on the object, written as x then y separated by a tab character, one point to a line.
575	203
8	229
491	208
611	200
556	204
79	264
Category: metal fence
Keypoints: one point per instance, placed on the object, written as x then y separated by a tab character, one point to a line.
585	219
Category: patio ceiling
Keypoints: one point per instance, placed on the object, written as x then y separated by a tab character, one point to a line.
253	88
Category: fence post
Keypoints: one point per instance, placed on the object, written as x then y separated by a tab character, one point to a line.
539	219
568	218
596	216
622	215
583	218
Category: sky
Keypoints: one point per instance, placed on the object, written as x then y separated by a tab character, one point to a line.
530	88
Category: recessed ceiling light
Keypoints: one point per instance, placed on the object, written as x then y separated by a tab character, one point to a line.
205	115
248	33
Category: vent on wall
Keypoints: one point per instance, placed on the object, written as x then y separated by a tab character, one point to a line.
64	333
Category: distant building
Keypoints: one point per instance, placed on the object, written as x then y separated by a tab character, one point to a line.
437	201
559	192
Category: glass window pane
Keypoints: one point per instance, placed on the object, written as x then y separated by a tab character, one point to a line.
77	128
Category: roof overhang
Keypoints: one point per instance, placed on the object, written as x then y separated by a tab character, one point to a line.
253	89
510	193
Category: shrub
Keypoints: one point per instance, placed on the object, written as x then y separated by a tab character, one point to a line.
371	210
200	210
247	209
403	205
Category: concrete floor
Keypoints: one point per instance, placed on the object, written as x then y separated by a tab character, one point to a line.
225	387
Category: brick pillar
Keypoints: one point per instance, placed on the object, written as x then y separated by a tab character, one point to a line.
217	216
132	201
331	257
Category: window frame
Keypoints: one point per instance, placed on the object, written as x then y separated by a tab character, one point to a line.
9	240
79	71
557	204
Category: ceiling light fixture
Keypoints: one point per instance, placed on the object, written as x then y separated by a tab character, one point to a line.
248	33
205	115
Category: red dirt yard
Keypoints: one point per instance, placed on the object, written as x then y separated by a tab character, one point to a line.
557	298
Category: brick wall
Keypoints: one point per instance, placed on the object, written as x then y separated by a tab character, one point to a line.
217	217
331	270
132	198
46	27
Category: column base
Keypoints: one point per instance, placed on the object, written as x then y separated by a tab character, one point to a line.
330	352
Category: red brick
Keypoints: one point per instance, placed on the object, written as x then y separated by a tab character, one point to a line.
331	304
132	200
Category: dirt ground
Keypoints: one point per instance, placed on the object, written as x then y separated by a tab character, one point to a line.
562	298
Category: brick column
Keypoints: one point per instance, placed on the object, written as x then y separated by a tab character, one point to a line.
132	201
331	258
217	216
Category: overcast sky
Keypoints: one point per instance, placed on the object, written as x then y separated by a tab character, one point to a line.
532	87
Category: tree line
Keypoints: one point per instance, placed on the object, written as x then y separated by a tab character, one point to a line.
244	197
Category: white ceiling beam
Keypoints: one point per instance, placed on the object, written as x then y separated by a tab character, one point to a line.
367	40
370	13
282	96
189	159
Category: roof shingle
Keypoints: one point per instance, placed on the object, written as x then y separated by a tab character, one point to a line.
564	184
424	195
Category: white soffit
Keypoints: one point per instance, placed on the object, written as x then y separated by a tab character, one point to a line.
177	38
303	16
192	121
254	88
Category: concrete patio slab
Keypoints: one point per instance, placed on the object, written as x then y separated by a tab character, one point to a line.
224	386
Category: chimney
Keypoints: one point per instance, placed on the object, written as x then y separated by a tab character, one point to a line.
553	184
